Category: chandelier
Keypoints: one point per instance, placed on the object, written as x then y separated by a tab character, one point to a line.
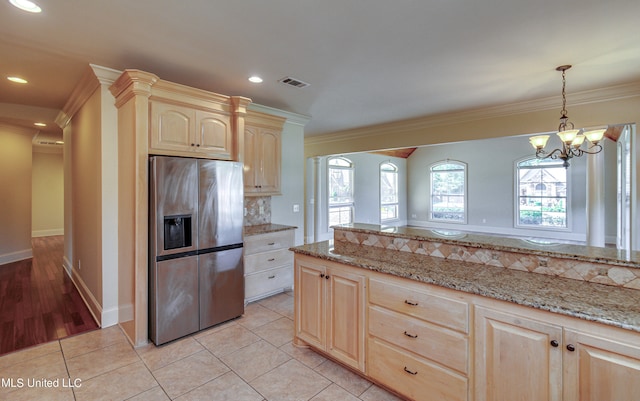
572	139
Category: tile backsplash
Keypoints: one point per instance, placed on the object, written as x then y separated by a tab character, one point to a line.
257	210
595	272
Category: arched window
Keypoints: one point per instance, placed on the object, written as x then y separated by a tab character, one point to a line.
542	193
340	181
448	196
388	192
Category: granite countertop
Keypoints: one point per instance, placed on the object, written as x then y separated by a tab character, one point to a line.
530	245
265	229
610	305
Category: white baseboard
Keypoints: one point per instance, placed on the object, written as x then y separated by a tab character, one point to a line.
92	303
16	256
47	233
109	317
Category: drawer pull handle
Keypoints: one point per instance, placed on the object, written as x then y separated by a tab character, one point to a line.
271	243
554	343
410	335
410	372
406	301
271	260
571	347
270	277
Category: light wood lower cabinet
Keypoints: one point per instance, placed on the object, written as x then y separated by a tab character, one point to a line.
600	367
548	358
329	309
429	343
515	358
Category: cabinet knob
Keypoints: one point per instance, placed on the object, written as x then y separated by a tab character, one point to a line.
554	343
326	277
197	145
571	347
321	275
411	372
410	335
193	144
406	301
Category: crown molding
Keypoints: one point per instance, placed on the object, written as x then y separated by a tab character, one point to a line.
611	93
293	118
93	77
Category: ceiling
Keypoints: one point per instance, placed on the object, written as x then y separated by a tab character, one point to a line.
367	61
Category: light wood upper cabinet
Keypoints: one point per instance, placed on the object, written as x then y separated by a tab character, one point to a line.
601	368
262	153
186	131
516	358
329	313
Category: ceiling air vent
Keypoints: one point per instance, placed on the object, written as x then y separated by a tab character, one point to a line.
294	82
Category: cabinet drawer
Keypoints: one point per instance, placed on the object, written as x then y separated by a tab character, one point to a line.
433	342
267	260
412	376
267	281
268	242
412	301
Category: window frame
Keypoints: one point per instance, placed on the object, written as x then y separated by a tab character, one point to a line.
350	205
465	169
516	199
394	169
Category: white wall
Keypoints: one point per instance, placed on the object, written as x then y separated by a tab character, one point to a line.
47	193
366	178
490	187
15	194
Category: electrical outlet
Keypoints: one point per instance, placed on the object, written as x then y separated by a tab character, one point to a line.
261	210
79	264
296	208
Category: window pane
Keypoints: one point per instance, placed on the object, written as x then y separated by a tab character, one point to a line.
388	191
340	215
448	192
542	194
340	186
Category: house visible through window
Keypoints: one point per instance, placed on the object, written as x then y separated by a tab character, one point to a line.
340	179
542	193
448	192
388	192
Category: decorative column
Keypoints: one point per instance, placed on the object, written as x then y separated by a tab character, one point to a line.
132	91
595	200
316	198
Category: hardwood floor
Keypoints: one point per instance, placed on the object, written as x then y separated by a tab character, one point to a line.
38	301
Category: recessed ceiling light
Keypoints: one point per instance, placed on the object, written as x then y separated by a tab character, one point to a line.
17	80
26	5
40	124
255	79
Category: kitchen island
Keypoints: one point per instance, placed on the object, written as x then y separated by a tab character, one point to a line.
429	317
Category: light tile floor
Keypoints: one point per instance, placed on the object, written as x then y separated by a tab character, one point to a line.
250	358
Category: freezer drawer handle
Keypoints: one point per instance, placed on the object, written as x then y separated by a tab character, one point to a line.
271	243
270	277
271	260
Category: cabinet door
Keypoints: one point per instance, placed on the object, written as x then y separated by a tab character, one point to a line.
214	134
345	320
515	358
600	369
310	315
251	161
269	155
172	127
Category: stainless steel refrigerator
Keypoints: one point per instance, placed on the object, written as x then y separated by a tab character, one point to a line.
196	273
